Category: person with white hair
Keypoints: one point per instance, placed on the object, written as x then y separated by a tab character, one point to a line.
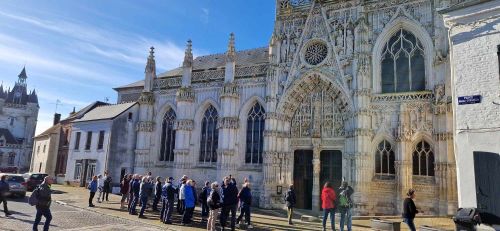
145	191
214	204
100	187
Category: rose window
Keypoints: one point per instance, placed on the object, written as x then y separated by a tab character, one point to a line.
316	53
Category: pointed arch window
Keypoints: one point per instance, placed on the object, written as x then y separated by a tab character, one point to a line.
168	136
255	135
209	136
384	159
423	159
403	66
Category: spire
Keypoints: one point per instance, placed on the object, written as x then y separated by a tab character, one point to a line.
22	76
188	55
231	50
151	64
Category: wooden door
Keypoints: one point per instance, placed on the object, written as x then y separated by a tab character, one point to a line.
331	168
303	178
487	173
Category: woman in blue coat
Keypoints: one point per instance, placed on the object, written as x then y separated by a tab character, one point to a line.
92	188
189	200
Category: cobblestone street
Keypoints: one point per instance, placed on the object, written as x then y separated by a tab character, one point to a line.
70	212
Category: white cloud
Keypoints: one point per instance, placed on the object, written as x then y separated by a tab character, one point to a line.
204	15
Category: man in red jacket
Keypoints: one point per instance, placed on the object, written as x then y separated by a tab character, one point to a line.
328	198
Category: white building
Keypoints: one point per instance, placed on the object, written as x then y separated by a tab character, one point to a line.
345	89
474	29
45	149
103	139
18	116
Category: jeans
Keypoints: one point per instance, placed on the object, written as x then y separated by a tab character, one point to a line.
4	201
225	214
188	214
91	197
155	202
180	206
332	217
204	209
290	214
166	210
345	214
244	210
211	219
39	213
105	194
135	200
144	202
409	222
101	191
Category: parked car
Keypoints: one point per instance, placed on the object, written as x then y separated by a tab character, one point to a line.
33	179
17	184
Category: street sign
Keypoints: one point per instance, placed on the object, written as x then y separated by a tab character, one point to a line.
471	99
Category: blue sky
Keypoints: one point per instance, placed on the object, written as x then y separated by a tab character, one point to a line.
77	51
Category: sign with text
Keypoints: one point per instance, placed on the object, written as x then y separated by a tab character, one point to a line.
471	99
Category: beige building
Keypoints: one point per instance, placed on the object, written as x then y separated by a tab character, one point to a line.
45	150
355	90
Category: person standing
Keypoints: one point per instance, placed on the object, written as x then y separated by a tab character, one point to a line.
135	188
214	205
168	196
290	200
146	189
4	189
131	192
124	190
205	191
229	198
410	210
43	206
345	205
245	196
157	194
107	187
180	201
189	202
328	198
100	187
92	189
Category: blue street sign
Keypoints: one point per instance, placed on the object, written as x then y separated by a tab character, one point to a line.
471	99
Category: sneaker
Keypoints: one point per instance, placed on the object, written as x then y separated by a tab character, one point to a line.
290	223
168	222
91	205
249	227
142	216
8	214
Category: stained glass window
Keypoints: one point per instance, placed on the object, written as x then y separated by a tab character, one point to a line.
255	135
168	136
209	136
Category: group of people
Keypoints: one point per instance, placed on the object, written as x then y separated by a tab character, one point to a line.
330	203
144	190
101	184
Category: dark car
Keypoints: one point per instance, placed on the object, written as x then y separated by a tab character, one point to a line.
17	184
34	179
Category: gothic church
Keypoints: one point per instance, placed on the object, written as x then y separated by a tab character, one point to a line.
356	90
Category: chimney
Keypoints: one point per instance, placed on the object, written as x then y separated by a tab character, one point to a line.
57	118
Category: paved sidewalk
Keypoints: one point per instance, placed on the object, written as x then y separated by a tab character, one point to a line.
261	219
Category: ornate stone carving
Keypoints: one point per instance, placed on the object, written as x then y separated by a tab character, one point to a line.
228	122
315	53
145	126
230	90
167	83
184	124
442	136
185	94
402	97
146	98
181	152
439	94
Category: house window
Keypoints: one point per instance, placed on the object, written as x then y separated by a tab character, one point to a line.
423	159
384	158
77	140
38	149
168	136
2	142
101	140
12	157
44	146
209	136
403	66
78	170
88	143
91	171
11	121
130	116
255	135
1	158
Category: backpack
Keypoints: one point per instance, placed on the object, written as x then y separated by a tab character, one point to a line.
343	201
33	200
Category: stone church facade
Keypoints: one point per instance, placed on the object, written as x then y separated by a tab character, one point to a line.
355	90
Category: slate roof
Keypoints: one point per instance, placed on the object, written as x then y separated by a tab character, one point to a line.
106	112
49	131
79	114
9	138
244	58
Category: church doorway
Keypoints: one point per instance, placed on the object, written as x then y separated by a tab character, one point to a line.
331	168
303	178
